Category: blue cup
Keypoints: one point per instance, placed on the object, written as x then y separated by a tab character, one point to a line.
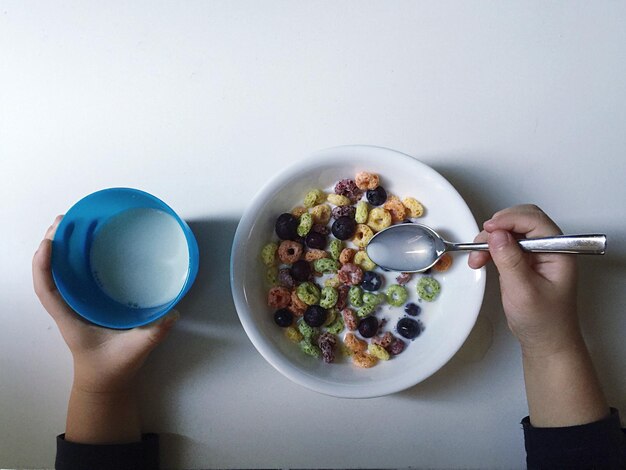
71	258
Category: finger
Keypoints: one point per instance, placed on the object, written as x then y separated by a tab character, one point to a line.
509	258
528	220
53	228
149	336
478	259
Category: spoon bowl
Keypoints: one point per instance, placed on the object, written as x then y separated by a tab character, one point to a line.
415	248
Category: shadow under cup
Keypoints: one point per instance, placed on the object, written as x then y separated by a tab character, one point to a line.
71	251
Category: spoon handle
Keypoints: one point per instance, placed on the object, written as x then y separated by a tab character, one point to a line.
591	244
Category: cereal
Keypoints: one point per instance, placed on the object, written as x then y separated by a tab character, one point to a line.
396	347
397	295
306	222
354	344
338	200
320	228
343	211
330	317
395	208
365	310
348	188
350	319
342	299
337	326
289	251
328	297
428	288
334	248
326	343
293	334
384	340
378	352
309	293
403	278
362	260
321	214
361	212
365	180
346	255
278	297
378	219
313	254
298	211
444	263
307	331
355	296
285	279
373	299
332	282
350	274
413	207
271	276
326	265
313	197
268	254
362	235
309	348
364	360
296	306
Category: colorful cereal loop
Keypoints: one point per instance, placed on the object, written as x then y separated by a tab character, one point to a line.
363	260
378	219
428	288
443	264
309	293
355	296
321	214
268	254
306	222
328	297
378	352
362	210
313	197
326	265
395	208
293	334
334	248
413	206
338	200
362	235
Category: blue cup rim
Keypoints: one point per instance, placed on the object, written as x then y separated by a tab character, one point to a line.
69	297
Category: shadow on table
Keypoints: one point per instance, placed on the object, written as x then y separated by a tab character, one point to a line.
208	330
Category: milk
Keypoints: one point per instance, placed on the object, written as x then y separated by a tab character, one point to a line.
140	258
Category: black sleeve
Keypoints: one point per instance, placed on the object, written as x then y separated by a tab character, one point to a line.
595	445
143	455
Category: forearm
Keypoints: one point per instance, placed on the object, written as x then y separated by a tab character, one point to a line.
562	388
102	417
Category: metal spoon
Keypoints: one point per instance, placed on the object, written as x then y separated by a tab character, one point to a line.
415	247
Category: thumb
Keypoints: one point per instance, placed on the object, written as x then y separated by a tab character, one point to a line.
150	336
508	258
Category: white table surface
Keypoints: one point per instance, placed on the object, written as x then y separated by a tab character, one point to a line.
201	102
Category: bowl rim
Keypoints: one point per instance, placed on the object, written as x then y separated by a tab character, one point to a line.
273	356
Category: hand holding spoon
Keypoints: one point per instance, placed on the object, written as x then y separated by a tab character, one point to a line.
414	248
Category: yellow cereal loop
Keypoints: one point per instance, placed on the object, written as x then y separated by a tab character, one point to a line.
413	207
293	334
338	200
321	214
378	219
378	351
313	197
363	261
362	235
364	360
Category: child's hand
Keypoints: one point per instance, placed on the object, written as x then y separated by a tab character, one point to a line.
538	290
104	360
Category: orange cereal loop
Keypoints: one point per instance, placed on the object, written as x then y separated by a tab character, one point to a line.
298	211
278	297
395	208
444	263
365	180
413	207
364	360
354	344
289	251
313	254
296	306
346	255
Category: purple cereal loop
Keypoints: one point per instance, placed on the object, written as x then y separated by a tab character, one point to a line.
348	188
320	228
403	278
396	347
285	279
342	299
327	342
343	211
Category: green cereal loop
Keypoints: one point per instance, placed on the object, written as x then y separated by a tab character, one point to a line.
328	298
337	326
331	316
307	331
428	288
268	254
335	248
362	210
293	334
373	299
397	295
355	296
332	282
309	293
363	260
272	276
309	348
326	265
306	222
378	351
313	197
366	310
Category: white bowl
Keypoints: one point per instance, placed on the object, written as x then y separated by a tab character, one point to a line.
448	321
